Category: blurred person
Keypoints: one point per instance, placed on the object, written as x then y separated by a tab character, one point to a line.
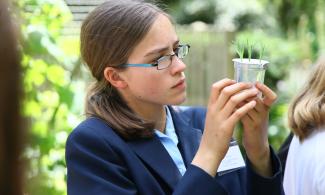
10	119
136	140
305	164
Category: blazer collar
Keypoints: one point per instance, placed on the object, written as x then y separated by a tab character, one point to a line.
153	153
189	137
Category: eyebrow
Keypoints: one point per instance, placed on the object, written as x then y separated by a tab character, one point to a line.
159	50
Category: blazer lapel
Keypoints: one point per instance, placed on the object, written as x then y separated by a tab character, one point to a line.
153	153
189	137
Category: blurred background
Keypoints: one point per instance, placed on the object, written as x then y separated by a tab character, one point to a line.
55	80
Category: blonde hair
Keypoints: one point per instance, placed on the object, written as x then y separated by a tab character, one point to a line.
307	110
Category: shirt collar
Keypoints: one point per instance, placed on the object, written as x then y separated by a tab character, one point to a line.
169	129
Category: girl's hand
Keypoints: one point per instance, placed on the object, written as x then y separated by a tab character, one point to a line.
222	115
255	135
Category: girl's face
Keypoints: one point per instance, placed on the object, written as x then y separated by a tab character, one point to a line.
147	85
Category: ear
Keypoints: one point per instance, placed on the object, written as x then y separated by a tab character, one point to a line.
113	77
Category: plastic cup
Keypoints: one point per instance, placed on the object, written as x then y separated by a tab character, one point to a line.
252	70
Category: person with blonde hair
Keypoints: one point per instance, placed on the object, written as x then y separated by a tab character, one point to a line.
305	165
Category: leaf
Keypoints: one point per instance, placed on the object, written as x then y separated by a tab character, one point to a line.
66	95
57	75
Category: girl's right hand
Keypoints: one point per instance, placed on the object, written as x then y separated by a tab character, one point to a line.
225	109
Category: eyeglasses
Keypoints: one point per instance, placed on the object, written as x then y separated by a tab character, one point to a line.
164	61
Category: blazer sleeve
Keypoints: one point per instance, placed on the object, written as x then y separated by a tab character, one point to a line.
94	168
197	182
257	184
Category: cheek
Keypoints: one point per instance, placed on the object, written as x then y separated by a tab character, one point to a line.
147	84
154	86
153	90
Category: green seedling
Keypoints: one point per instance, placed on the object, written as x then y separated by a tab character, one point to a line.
250	47
240	49
262	50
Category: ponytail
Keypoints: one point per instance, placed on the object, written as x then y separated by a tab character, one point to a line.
104	101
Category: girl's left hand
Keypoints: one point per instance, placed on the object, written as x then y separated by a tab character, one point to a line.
255	134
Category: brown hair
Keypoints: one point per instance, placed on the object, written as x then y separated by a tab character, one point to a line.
11	173
307	110
108	36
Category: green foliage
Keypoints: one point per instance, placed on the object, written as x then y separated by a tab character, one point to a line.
49	93
186	12
300	18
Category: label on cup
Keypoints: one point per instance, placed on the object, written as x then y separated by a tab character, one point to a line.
232	161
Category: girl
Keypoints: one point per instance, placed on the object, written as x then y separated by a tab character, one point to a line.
133	143
305	166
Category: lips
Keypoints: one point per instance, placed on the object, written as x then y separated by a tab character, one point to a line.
179	83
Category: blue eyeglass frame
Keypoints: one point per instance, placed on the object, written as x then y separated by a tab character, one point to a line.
156	64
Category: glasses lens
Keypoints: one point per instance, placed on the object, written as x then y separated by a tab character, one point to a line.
164	62
182	51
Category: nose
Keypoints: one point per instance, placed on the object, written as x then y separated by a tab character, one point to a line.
177	65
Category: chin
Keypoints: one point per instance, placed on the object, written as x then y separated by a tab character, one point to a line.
179	101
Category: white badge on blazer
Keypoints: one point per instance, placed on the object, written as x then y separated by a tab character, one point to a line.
232	161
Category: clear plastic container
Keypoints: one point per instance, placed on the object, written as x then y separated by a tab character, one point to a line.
252	70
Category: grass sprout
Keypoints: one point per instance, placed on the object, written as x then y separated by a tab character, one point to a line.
262	50
250	47
240	48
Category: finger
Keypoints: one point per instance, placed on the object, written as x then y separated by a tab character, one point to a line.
248	100
260	107
237	99
239	113
246	119
229	91
269	96
217	87
253	114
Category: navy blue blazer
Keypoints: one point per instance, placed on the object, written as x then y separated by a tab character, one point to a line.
101	162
